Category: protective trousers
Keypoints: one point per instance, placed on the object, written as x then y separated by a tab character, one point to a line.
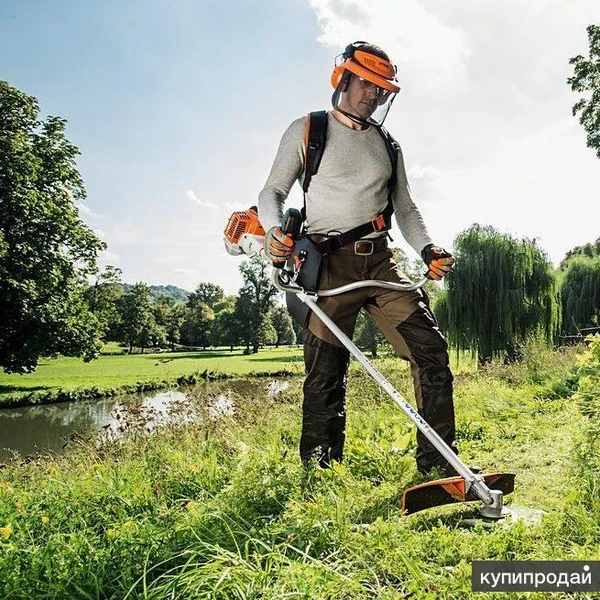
410	327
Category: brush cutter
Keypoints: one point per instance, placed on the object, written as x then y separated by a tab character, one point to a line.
243	236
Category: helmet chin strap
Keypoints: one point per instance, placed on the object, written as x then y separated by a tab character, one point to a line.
356	119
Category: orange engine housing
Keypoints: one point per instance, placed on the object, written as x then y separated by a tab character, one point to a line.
242	222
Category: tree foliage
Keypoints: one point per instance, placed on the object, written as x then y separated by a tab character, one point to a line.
367	333
589	250
500	290
282	324
580	293
255	299
138	326
207	293
197	325
46	251
586	79
103	299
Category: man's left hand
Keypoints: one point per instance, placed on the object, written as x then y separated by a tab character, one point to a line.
438	261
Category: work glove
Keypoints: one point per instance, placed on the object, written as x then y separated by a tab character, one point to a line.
278	245
438	261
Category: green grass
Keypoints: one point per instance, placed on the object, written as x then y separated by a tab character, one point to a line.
223	509
116	371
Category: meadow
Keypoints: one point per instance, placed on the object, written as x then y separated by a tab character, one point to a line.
222	509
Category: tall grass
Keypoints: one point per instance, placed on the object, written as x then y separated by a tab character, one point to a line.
223	509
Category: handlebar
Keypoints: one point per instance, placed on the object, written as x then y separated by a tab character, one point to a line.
277	276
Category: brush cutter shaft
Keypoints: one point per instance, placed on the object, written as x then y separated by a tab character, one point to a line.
473	481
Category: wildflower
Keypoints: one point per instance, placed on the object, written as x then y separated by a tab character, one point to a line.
45	519
6	531
112	533
128	525
18	506
191	505
52	472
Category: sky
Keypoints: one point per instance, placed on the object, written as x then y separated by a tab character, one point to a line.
178	107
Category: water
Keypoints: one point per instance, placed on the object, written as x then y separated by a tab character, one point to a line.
51	428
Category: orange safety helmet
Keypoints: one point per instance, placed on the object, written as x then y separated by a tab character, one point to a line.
359	59
369	66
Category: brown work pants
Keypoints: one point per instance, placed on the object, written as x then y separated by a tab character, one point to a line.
410	327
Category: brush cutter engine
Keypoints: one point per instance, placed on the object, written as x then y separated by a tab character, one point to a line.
244	234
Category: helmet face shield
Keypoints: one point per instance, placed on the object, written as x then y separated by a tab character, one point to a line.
362	99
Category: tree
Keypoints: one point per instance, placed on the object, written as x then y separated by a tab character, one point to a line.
586	78
46	251
580	294
138	327
282	324
589	250
207	293
197	326
367	333
254	301
103	299
500	290
170	315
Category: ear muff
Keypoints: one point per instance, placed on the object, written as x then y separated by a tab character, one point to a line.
336	76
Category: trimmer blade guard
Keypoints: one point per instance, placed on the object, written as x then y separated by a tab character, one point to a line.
449	490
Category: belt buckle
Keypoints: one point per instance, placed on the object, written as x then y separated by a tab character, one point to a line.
360	247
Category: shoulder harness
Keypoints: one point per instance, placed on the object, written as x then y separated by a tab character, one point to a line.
315	138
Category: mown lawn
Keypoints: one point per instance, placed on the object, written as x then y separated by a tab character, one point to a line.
222	509
115	371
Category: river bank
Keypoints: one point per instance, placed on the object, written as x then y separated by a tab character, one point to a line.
70	379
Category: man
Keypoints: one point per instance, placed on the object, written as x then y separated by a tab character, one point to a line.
358	177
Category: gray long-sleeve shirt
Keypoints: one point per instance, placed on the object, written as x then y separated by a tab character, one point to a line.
350	187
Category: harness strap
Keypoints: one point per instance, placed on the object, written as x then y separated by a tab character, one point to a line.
315	137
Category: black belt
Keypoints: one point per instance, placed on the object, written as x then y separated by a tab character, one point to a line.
362	247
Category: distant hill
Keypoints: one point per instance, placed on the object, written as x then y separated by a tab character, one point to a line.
159	291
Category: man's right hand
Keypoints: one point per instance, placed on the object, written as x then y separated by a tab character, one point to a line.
278	245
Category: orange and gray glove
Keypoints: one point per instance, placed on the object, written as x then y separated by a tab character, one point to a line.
438	261
278	245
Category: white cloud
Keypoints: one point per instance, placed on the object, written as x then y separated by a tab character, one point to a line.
427	182
125	235
416	39
86	210
106	257
191	195
186	278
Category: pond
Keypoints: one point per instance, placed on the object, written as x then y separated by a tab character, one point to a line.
51	428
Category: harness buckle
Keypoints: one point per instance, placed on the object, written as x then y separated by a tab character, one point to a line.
378	223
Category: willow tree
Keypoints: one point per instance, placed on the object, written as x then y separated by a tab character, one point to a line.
501	290
580	294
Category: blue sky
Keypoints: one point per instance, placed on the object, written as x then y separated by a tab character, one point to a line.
178	107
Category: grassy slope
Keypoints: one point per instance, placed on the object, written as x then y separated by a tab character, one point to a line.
224	510
110	372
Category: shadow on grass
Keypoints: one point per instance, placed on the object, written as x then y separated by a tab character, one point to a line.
193	355
279	359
